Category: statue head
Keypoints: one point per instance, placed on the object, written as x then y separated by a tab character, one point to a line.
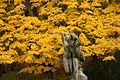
67	37
73	36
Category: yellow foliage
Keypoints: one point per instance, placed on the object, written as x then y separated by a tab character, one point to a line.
3	5
6	59
17	2
84	39
1	22
2	11
109	58
30	31
34	0
84	5
47	69
29	58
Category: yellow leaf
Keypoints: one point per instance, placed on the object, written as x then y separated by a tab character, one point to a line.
84	39
108	58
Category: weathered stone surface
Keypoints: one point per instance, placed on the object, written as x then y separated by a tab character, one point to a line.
73	57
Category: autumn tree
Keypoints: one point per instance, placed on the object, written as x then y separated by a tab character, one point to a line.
30	31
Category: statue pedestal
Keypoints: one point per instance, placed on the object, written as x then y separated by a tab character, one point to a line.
80	75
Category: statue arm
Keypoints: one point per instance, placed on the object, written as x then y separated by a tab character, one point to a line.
78	41
63	37
81	56
66	53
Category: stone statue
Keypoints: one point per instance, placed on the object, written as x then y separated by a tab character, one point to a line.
73	57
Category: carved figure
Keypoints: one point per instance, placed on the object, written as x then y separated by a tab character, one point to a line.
72	55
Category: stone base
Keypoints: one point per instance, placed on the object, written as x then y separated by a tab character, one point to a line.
80	75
